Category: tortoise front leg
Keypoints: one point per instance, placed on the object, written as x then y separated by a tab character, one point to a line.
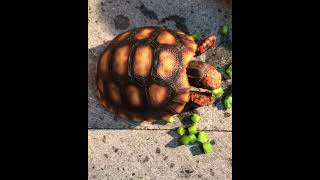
199	99
207	43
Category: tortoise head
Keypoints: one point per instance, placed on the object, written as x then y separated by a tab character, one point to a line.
201	74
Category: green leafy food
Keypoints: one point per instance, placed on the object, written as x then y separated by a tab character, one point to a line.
228	102
202	137
229	71
192	138
217	92
195	118
181	131
192	129
196	36
170	120
207	147
224	30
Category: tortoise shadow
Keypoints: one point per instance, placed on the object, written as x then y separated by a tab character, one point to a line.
98	118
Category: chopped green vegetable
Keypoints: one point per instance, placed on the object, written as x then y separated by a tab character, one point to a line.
229	71
228	102
202	137
195	118
207	147
185	139
192	129
217	92
224	30
181	131
192	138
170	120
196	36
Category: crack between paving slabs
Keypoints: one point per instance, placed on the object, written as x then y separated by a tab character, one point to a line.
223	130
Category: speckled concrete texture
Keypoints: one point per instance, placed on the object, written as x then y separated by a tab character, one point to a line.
146	154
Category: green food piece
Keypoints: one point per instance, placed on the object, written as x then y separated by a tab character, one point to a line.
192	138
181	131
195	118
229	71
185	139
192	129
170	120
217	92
224	30
202	137
207	147
228	102
196	36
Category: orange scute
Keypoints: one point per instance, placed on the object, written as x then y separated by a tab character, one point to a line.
114	92
187	56
143	61
104	62
182	81
123	36
167	64
177	107
120	64
157	94
191	45
166	38
134	96
190	38
144	33
181	33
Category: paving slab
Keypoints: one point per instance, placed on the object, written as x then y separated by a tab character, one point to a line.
156	154
107	18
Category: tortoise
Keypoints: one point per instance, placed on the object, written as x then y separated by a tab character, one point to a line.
145	73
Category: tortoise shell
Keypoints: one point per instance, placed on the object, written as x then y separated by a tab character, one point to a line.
141	75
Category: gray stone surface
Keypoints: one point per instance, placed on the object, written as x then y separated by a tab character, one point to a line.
122	149
145	154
